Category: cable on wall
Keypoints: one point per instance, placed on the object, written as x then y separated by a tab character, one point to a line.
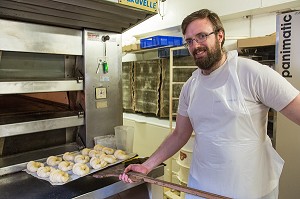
161	8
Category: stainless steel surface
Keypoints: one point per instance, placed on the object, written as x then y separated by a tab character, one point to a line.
120	187
27	37
15	163
25	72
38	59
40	125
35	116
13	87
87	187
34	66
114	189
49	54
78	14
102	115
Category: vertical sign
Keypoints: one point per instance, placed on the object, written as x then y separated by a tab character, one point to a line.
287	133
287	46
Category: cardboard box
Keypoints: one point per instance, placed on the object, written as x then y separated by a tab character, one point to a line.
131	47
268	40
126	48
135	47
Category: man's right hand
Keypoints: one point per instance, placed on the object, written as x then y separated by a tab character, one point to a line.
140	168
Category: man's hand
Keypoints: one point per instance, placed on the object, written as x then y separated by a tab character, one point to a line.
140	168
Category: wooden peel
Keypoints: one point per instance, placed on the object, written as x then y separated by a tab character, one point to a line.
138	177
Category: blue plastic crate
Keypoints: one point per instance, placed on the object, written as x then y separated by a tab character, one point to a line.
158	41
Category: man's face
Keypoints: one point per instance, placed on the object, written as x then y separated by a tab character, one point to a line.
208	52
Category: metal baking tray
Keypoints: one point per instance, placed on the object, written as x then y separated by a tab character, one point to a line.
72	176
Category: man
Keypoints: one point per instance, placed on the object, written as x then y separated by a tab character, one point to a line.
226	102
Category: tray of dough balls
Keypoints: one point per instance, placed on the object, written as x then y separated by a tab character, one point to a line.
61	169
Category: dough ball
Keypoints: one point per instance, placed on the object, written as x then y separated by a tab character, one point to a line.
69	156
81	159
45	172
80	169
98	147
65	165
120	154
108	150
109	159
59	176
53	160
85	151
101	156
97	163
94	153
33	166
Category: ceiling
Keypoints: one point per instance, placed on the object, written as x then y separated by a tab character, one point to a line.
79	14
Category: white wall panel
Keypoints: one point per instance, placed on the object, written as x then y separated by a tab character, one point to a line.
263	20
237	28
177	10
263	24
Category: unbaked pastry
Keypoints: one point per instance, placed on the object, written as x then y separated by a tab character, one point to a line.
65	165
109	159
80	169
81	159
53	160
120	154
94	153
33	166
98	147
108	151
59	176
85	151
97	163
45	172
69	156
101	155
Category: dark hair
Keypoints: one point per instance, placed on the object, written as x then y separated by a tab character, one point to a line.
202	14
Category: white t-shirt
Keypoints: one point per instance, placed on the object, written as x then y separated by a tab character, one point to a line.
262	88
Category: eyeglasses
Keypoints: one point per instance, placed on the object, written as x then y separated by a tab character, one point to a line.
199	38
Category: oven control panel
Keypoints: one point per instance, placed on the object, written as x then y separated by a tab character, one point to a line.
100	93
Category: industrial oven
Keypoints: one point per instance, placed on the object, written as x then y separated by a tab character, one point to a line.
60	86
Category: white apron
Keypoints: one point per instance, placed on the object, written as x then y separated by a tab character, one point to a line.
230	158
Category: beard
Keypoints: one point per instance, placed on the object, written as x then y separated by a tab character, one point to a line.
213	56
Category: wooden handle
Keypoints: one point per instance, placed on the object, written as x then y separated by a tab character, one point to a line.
140	177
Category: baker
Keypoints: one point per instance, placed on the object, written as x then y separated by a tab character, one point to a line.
226	103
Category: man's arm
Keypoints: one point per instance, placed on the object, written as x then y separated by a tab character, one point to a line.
175	141
172	143
292	110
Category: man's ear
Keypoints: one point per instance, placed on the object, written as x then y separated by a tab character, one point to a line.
220	36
